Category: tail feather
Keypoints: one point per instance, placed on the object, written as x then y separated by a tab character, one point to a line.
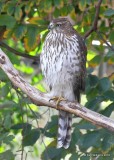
64	129
68	135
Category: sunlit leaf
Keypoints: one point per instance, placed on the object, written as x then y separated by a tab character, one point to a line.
8	33
95	61
91	54
34	20
30	41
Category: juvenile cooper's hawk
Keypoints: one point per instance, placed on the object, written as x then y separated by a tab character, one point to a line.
63	63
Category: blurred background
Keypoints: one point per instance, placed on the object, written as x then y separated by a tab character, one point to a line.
28	132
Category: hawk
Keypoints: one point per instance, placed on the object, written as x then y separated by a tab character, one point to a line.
63	64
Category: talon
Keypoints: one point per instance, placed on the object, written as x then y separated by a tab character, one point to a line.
58	100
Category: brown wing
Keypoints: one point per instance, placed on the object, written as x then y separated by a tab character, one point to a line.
79	86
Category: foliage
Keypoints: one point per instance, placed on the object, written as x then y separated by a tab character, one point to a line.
29	131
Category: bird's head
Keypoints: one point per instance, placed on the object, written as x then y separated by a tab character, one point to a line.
60	25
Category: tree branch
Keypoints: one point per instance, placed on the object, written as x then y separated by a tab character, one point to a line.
36	58
100	35
41	99
95	22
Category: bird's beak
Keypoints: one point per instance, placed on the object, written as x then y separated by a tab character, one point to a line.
51	26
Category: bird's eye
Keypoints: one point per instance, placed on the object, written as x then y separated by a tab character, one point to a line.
58	25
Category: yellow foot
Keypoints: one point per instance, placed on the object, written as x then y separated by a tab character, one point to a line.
58	100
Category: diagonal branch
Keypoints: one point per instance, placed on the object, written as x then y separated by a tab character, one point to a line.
101	37
41	99
36	58
95	22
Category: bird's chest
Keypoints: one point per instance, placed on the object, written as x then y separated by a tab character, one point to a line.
60	58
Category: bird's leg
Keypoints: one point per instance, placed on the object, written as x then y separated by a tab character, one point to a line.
58	100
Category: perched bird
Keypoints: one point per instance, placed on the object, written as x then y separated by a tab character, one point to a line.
63	63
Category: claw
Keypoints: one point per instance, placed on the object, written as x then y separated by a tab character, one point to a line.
58	100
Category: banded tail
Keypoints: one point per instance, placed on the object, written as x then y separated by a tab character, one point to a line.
64	129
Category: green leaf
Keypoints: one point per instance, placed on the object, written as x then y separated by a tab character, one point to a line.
30	40
11	8
104	84
51	153
5	90
75	137
109	95
51	127
20	31
108	142
109	12
90	139
7	155
109	55
8	21
111	37
82	5
1	6
8	139
108	110
57	2
21	126
84	125
13	58
18	13
95	61
3	136
31	138
93	103
7	121
93	80
74	156
27	8
84	157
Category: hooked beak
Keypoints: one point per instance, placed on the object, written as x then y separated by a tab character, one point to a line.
51	26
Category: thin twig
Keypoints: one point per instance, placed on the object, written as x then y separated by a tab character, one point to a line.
95	22
100	35
36	58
